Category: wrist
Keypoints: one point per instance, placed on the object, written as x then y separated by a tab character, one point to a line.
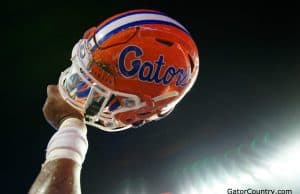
72	122
64	117
69	142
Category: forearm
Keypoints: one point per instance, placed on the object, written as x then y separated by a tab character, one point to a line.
66	150
58	176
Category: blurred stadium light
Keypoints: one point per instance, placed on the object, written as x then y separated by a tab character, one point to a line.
262	164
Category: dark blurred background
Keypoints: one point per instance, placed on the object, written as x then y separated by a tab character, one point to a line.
247	92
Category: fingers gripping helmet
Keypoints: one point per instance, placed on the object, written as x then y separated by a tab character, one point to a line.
131	69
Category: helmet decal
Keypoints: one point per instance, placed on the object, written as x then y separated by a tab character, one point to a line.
138	68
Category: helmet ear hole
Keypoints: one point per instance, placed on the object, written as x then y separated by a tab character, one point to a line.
192	64
164	41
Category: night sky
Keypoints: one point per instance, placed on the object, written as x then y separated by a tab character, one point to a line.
247	89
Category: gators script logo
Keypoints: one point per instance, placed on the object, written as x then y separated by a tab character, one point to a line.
150	71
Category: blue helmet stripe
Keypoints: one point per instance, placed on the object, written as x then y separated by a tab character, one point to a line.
128	20
134	24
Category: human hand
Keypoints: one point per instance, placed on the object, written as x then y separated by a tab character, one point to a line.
56	109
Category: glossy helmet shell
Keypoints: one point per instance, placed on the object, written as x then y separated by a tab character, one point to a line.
146	54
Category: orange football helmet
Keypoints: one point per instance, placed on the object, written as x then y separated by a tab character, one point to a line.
131	69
